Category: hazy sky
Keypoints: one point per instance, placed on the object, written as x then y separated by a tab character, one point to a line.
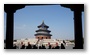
59	19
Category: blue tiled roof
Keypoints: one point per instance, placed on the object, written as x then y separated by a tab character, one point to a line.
43	25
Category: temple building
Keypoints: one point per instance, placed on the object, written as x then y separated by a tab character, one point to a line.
43	32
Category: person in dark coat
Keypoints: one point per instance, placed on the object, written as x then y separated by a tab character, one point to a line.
23	46
40	47
57	47
62	46
34	47
64	42
29	46
43	47
49	46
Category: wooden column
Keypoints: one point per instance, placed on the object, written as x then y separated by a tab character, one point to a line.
10	9
9	30
78	29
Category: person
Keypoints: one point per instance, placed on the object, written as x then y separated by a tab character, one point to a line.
40	47
34	47
62	46
23	46
29	46
57	47
43	47
49	45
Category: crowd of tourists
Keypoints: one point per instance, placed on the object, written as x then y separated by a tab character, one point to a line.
47	46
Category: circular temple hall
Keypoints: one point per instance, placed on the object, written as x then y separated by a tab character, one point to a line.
43	32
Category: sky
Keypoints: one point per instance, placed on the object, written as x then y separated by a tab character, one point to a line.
59	19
